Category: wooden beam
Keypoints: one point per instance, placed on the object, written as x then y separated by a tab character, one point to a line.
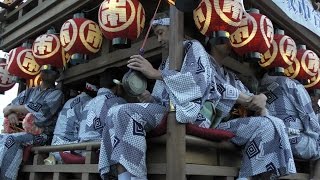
176	143
113	59
292	28
38	20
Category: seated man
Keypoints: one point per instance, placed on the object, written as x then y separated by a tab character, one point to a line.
289	101
68	123
197	83
42	104
108	95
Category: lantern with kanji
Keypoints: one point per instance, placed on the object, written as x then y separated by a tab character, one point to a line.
36	81
293	70
309	64
216	18
253	36
47	49
80	36
6	80
22	63
313	83
281	54
121	21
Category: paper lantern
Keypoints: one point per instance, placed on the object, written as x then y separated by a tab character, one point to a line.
47	49
34	82
80	35
282	52
22	63
293	70
121	21
6	80
216	18
313	83
309	62
254	35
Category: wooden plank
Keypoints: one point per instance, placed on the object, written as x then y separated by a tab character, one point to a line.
194	169
303	176
35	21
116	58
62	168
78	146
176	143
293	29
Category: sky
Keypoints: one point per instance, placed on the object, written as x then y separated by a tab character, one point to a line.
5	99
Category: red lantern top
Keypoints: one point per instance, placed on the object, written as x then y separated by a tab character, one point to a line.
255	34
121	19
6	80
310	64
282	52
80	35
47	50
218	15
22	63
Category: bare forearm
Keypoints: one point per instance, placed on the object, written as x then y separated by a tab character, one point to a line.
19	109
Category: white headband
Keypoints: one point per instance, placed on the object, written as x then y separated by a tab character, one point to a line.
163	22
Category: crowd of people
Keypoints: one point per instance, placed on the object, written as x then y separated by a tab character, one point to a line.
278	129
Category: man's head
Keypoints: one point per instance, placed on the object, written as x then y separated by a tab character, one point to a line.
49	74
160	26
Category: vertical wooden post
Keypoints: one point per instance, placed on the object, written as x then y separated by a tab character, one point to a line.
176	144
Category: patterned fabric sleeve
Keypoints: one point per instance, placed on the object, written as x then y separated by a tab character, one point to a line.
301	99
189	87
45	111
20	99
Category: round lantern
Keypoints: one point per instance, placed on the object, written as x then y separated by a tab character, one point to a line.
281	54
216	18
6	80
121	21
47	49
22	63
34	82
253	36
309	63
80	35
293	70
314	82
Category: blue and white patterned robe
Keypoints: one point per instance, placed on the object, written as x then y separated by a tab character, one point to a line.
289	101
196	83
68	123
126	125
96	109
44	105
265	143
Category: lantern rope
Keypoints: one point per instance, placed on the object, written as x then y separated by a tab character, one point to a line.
141	51
87	11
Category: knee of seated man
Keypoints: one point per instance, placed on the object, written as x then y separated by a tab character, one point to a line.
306	148
269	123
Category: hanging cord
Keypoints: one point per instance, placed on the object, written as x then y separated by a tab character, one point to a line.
87	11
141	51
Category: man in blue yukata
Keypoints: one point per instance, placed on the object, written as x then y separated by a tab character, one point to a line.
198	83
41	103
289	101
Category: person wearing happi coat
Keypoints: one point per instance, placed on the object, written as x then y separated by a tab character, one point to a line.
40	105
109	95
189	90
67	126
289	101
